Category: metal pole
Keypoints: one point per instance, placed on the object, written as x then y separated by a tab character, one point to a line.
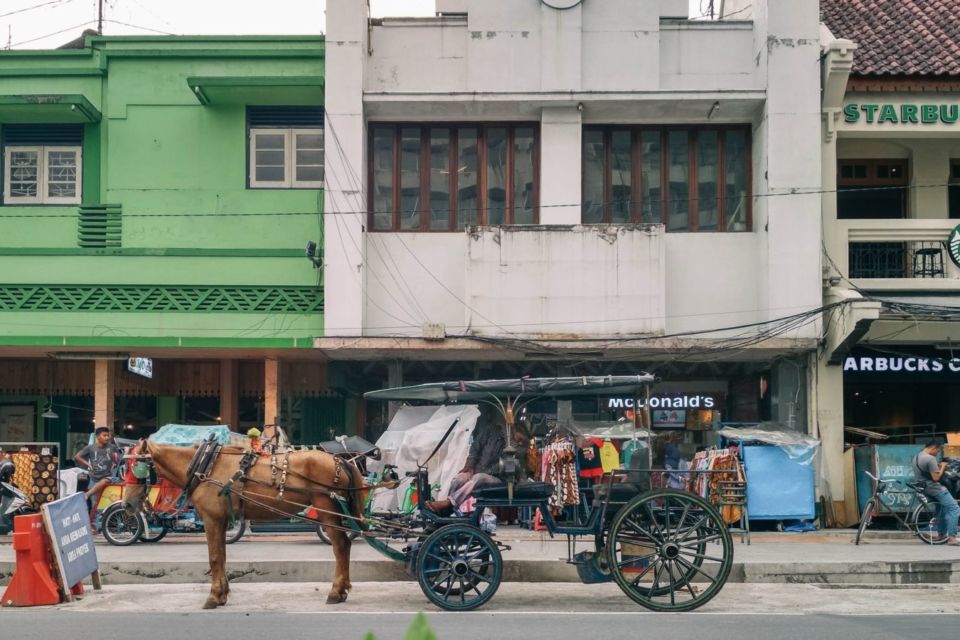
100	17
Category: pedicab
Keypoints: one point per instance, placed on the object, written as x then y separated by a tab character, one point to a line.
667	550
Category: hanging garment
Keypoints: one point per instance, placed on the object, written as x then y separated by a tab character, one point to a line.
609	457
588	457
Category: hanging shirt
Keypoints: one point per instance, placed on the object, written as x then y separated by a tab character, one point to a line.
588	456
609	457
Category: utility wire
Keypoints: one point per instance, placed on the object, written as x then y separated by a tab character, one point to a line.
31	8
792	192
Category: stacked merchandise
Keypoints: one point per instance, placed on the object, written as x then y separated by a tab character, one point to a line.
36	474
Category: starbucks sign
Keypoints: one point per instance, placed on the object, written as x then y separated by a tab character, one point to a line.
953	245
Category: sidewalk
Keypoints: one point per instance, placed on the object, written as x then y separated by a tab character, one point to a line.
820	557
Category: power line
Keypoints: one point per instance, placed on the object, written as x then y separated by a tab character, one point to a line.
31	8
792	192
76	26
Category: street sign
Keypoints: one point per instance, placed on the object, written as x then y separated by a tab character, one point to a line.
68	525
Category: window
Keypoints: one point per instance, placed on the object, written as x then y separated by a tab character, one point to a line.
439	177
689	179
286	147
42	164
867	189
954	190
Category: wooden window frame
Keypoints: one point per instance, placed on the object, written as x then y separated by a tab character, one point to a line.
872	180
454	129
693	186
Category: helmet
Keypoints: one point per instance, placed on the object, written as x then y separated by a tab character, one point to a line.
254	433
7	469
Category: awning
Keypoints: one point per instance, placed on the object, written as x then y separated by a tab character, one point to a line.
258	90
61	108
463	390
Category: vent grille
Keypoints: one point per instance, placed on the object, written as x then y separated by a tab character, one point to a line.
48	134
99	226
147	298
258	117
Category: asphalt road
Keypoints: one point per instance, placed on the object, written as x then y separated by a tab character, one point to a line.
268	610
236	625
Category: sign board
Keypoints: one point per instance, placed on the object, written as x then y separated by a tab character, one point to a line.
141	367
904	114
669	418
68	525
953	245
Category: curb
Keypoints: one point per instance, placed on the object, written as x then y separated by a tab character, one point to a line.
878	573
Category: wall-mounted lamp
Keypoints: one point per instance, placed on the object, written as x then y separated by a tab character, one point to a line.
48	412
713	109
580	107
311	252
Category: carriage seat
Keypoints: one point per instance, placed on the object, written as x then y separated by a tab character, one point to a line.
620	492
532	491
351	446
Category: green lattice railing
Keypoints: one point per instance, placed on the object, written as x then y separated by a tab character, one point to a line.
133	298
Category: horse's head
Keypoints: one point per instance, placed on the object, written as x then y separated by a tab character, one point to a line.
140	472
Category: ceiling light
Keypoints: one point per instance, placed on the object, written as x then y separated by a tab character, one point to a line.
49	413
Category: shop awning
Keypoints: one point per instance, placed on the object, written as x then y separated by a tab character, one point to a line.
259	90
465	390
61	108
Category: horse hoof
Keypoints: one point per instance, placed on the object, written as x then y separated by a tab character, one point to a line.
210	604
336	598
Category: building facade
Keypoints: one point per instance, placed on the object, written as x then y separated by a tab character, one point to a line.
891	209
158	193
519	188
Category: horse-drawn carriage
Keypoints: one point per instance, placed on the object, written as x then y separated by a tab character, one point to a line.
667	550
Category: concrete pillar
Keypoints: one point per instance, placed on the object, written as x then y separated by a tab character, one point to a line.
394	379
271	391
343	237
829	423
103	393
560	159
229	406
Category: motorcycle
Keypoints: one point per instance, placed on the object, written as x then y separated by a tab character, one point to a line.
167	510
13	501
951	476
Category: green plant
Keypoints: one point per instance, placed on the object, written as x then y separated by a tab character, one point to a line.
419	630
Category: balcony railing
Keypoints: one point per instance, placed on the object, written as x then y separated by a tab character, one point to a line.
902	254
917	259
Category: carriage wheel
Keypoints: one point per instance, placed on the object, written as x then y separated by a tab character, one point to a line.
669	550
459	567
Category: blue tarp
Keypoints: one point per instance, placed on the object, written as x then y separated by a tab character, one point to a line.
185	435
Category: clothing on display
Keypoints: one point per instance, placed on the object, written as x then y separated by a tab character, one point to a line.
558	467
609	456
588	458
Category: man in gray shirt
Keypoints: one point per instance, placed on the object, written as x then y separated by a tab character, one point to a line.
99	458
927	469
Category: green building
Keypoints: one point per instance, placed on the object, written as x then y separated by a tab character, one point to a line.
158	196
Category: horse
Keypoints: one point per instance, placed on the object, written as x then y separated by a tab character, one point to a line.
305	477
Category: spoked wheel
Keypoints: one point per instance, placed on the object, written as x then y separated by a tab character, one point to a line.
459	567
236	530
152	532
322	534
868	510
119	527
669	550
923	522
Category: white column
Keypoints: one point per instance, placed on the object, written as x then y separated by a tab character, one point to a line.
560	159
345	174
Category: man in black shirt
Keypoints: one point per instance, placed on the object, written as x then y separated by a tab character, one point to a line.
486	446
100	458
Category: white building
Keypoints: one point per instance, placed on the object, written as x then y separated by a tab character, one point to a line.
521	187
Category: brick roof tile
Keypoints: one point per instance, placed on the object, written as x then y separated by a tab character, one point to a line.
898	37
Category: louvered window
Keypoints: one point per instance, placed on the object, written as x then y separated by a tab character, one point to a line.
42	164
286	147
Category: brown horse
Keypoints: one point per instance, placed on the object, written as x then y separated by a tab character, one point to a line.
310	477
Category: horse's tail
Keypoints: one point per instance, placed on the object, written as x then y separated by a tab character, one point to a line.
358	491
